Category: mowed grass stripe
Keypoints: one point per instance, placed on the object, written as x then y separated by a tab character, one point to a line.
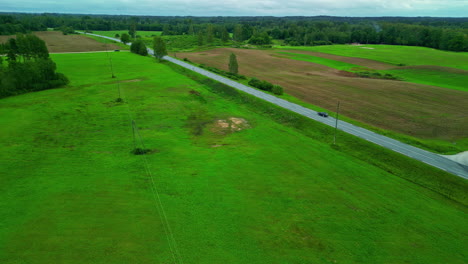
268	194
428	75
394	54
339	65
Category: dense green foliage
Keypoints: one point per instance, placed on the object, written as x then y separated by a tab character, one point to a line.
230	75
139	47
440	33
125	38
13	24
277	89
233	65
260	39
71	191
29	67
262	85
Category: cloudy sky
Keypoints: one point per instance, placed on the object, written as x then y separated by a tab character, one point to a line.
438	8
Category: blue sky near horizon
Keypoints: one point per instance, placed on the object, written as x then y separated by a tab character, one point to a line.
412	8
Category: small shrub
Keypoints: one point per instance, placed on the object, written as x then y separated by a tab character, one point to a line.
254	82
266	86
140	151
277	89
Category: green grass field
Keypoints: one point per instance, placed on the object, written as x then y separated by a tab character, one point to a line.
71	191
441	75
323	61
393	54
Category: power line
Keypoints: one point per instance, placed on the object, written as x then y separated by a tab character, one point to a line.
159	205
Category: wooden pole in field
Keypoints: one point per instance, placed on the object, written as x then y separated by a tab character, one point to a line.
110	60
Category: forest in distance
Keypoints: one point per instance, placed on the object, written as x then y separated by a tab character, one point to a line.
449	34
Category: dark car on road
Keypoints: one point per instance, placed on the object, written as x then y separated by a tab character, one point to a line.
324	114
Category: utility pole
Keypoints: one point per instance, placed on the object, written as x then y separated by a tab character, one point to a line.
336	122
110	60
119	100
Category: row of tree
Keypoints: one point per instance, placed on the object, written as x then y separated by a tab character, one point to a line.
440	33
28	67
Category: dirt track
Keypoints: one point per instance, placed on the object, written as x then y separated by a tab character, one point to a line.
57	42
413	109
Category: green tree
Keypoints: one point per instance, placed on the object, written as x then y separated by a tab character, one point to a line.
159	47
224	34
139	47
132	30
209	34
200	39
125	38
34	71
260	39
237	36
191	31
233	66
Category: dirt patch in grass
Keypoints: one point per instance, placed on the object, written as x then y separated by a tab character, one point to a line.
229	125
413	109
57	42
132	81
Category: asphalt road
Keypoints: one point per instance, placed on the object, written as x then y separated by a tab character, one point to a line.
427	157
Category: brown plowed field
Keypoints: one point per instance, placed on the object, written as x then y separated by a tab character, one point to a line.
57	42
413	109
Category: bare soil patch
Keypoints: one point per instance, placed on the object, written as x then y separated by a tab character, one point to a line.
414	109
57	42
229	125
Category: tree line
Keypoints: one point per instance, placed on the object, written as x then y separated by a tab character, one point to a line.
27	67
440	33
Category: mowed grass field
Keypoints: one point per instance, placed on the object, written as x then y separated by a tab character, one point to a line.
71	191
434	117
57	42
